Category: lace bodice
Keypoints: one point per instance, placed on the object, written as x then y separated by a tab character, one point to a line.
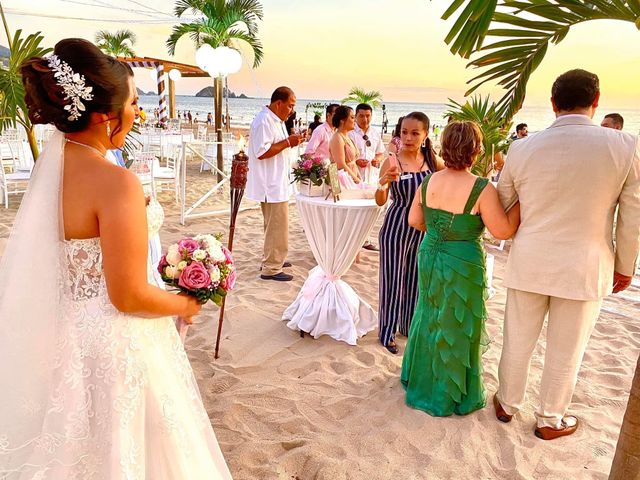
83	260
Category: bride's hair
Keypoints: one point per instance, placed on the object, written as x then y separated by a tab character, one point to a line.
45	98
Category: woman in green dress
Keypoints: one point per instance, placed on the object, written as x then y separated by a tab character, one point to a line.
442	365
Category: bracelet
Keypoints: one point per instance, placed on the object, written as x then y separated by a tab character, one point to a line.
382	188
288	142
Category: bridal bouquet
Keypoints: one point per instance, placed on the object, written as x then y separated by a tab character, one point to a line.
310	169
200	266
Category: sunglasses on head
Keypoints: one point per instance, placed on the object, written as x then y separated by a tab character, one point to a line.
367	141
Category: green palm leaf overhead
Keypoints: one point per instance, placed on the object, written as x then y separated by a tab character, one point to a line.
523	30
118	44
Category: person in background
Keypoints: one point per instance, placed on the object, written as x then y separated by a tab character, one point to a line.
396	142
522	131
385	119
209	119
143	116
342	150
569	180
442	363
315	124
371	151
290	123
268	179
189	117
196	120
613	120
400	177
318	145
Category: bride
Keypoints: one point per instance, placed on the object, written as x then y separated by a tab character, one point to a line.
95	381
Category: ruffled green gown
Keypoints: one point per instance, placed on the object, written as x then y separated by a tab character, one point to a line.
442	364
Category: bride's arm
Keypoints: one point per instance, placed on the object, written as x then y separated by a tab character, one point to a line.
123	237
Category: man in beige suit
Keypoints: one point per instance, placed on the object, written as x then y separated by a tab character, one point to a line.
569	179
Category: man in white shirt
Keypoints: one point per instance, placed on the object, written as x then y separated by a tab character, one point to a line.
268	179
371	147
318	145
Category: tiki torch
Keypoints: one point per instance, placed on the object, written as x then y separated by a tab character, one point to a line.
239	169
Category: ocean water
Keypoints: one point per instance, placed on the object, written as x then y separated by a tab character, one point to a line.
242	111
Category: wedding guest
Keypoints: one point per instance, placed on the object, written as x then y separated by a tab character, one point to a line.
342	151
371	151
209	119
569	179
268	179
97	356
400	178
613	120
189	117
442	364
290	123
396	143
315	124
318	145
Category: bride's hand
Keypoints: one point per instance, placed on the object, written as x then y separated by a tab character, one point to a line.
191	308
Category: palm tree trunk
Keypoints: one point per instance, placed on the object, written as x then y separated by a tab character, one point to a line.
31	137
626	463
217	83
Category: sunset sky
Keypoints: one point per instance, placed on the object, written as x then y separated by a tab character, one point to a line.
323	48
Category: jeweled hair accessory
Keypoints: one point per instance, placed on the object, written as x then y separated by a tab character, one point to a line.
73	86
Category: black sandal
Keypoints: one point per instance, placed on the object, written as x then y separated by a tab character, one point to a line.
392	347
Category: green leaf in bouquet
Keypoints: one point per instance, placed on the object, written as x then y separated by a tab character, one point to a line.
217	299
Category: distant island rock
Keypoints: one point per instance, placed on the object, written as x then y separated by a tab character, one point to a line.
4	52
141	92
210	92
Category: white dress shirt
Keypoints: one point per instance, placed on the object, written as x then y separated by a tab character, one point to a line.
370	173
268	179
318	145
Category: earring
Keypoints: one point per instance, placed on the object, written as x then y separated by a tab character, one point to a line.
108	129
424	144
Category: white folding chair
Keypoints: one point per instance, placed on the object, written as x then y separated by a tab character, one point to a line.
169	174
13	184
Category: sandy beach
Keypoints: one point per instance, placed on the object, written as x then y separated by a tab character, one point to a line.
291	408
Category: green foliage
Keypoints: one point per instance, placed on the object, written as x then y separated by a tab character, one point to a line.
525	29
115	44
220	23
494	131
359	95
13	108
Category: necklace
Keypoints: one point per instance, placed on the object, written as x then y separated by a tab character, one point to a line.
85	146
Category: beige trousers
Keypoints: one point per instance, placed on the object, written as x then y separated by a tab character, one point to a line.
569	326
276	236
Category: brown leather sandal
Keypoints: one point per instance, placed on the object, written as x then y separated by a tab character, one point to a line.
501	415
549	433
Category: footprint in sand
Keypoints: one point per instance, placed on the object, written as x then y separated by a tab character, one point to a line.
222	384
291	444
338	367
367	358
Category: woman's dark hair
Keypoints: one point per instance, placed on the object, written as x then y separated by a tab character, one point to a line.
461	144
427	150
396	131
107	77
341	114
575	89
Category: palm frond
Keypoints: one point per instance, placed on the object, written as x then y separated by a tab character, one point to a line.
359	95
525	29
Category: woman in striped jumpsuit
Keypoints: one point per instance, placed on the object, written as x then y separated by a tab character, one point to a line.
402	177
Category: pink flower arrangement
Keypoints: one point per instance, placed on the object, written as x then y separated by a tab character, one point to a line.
311	169
200	266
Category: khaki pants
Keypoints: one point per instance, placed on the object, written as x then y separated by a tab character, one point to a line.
276	236
569	327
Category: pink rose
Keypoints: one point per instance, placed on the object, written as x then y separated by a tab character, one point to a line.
163	263
229	282
189	245
317	161
307	164
194	276
227	255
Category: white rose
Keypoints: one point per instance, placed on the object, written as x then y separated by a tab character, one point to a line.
199	255
173	255
208	239
216	252
326	162
214	272
171	272
182	265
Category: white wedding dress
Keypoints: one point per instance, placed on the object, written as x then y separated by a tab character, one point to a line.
112	396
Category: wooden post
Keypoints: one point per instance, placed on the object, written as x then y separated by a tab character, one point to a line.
217	83
172	99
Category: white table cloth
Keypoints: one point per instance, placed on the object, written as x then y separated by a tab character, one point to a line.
327	305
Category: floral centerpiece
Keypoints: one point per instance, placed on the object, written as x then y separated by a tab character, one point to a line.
200	266
311	172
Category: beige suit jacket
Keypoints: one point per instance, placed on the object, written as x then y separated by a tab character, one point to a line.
569	179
